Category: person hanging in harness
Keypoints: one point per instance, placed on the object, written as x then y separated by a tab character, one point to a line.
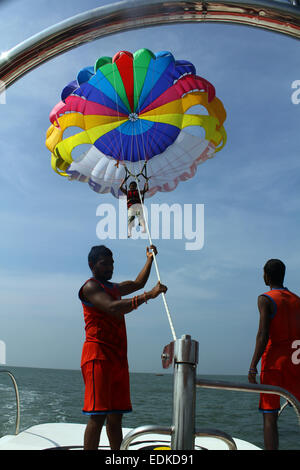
134	205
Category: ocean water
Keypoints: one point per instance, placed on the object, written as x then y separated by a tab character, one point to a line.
51	395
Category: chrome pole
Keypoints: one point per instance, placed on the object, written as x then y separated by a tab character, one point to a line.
279	16
184	394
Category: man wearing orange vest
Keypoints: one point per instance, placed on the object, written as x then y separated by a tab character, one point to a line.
279	329
134	205
104	355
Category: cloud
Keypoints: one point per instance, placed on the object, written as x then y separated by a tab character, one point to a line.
43	294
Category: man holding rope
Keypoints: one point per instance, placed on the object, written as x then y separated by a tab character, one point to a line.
104	356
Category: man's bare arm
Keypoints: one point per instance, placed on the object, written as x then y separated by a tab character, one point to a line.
262	337
103	302
128	287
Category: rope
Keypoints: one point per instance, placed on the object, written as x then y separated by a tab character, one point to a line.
143	172
156	265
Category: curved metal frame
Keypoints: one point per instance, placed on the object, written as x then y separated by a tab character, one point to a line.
214	433
283	408
142	430
17	399
252	388
128	15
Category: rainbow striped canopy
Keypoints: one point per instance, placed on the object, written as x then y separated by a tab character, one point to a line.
132	109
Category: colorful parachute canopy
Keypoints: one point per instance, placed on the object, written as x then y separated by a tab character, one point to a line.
132	109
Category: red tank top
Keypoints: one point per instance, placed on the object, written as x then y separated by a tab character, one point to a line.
284	328
133	197
105	334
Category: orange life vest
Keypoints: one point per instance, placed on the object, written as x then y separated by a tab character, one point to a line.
284	329
105	334
133	197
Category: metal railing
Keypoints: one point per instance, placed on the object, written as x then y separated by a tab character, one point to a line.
183	354
283	407
252	388
17	399
278	16
143	430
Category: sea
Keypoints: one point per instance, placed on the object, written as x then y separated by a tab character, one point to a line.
56	395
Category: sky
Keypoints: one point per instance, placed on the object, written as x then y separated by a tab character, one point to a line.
250	192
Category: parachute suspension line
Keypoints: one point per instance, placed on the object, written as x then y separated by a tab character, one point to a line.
143	172
155	261
117	103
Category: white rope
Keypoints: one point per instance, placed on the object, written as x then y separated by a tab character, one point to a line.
155	264
147	228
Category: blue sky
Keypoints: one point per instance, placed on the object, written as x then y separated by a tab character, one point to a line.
250	192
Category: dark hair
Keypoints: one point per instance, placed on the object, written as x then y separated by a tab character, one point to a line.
132	182
97	252
275	270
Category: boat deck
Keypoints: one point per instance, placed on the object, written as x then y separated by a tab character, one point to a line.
62	436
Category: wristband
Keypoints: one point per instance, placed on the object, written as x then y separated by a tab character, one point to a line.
145	297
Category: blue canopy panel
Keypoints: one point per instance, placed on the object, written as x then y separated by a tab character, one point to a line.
85	74
69	89
92	93
154	88
137	146
156	68
101	82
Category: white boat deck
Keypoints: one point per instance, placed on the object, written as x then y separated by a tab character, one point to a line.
69	435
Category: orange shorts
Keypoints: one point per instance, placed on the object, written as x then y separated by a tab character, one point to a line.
107	388
288	378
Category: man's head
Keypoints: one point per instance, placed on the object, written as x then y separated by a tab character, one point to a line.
101	262
132	186
274	271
